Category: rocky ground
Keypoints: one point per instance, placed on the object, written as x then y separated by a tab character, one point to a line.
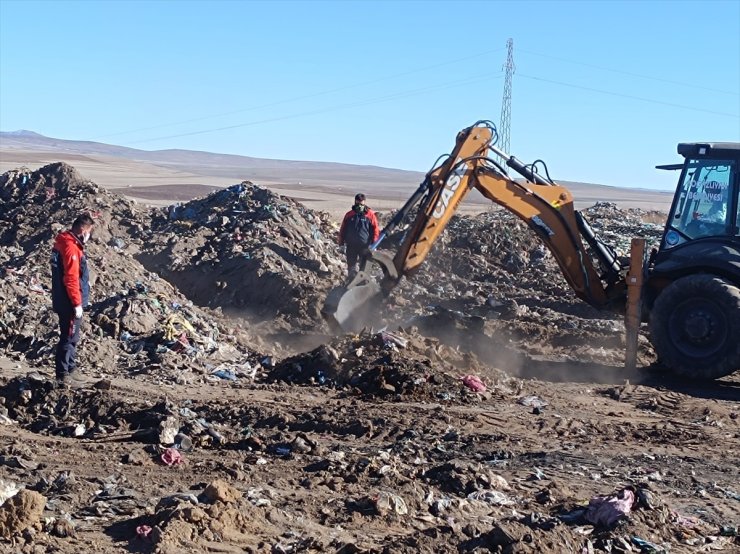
491	414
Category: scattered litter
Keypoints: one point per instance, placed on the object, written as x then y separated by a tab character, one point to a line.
495	498
168	430
183	442
608	510
7	490
172	457
393	339
532	401
647	546
225	374
474	383
386	502
729	531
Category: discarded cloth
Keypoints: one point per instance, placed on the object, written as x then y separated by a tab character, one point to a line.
172	457
175	325
474	383
608	510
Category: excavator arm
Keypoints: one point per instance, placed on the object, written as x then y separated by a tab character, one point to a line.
544	206
548	210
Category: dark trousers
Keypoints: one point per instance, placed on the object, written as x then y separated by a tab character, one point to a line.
353	256
69	336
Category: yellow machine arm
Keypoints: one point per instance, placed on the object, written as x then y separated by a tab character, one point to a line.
546	207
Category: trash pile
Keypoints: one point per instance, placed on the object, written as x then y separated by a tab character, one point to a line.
488	283
137	321
491	287
249	251
219	512
96	412
617	226
385	364
493	258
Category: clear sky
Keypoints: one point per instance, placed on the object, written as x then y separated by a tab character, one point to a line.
603	91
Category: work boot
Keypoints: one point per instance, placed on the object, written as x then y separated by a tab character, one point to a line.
75	380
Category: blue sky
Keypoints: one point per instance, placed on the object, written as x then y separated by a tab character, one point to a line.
603	91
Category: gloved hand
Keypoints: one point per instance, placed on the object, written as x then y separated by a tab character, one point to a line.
78	312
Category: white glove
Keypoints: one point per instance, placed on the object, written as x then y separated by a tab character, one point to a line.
78	312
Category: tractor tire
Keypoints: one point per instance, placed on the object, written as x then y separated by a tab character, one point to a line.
695	327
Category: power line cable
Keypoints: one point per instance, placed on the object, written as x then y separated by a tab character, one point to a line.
416	92
628	96
377	100
304	97
631	74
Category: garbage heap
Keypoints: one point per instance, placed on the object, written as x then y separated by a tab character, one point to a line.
137	321
489	284
389	365
249	251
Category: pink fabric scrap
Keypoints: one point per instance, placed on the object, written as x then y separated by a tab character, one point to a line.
474	383
172	457
143	530
607	510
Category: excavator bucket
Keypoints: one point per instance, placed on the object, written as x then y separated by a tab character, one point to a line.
354	307
357	305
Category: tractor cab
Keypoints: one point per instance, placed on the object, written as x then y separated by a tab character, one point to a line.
693	282
706	202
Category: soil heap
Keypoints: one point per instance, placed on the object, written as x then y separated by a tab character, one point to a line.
249	251
137	321
490	286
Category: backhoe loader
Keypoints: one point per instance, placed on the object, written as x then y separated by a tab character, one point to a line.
687	289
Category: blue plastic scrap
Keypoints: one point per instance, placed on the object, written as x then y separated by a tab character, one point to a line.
225	374
647	546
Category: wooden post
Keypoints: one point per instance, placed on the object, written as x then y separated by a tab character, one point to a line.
633	315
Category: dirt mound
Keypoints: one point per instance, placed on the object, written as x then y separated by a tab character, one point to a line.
137	321
495	258
191	521
492	288
385	364
20	511
250	251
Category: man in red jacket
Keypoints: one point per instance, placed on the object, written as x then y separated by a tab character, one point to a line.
359	230
70	294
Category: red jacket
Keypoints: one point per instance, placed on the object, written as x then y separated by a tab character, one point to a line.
70	286
372	218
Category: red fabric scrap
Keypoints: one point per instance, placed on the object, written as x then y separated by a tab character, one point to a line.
172	457
474	383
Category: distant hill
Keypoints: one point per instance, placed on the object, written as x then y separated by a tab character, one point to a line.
207	163
119	166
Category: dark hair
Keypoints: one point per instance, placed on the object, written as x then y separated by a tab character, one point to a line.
83	220
359	197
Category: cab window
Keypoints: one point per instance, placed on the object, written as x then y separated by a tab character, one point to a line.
703	203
